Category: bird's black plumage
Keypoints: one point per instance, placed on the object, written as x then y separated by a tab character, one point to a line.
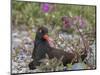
42	47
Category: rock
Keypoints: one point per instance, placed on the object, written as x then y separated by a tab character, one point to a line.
67	36
15	34
16	43
24	33
79	66
91	55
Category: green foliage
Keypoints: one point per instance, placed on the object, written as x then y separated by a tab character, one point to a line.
29	13
69	66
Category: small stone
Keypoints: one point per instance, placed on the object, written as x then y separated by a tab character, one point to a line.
79	66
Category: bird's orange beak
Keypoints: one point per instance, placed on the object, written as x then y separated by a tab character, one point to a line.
49	40
46	37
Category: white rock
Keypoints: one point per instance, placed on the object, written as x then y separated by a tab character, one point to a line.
78	66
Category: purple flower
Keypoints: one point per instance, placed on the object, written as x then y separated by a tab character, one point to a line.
80	21
67	22
45	7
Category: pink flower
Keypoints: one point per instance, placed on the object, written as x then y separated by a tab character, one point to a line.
81	22
67	22
46	7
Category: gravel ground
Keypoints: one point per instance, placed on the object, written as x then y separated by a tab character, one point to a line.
22	47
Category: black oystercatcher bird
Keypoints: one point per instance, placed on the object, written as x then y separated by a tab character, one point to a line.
42	47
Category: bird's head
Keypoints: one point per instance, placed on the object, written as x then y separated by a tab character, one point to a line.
42	34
